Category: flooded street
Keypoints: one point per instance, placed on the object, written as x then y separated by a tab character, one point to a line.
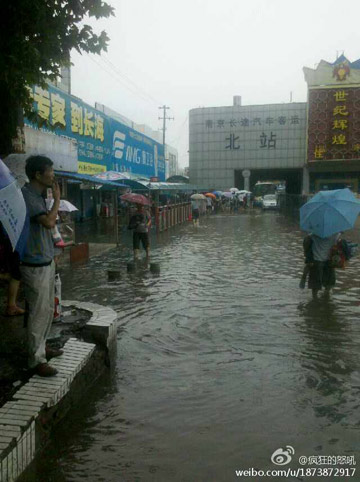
221	360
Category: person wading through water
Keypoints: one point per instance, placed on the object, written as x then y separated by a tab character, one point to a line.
140	223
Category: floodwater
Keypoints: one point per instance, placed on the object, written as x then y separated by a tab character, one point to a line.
221	360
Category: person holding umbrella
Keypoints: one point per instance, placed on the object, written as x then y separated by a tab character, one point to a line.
325	216
318	262
140	223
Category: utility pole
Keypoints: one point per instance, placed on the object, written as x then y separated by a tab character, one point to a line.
164	119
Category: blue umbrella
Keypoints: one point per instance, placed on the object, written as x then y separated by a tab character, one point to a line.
13	215
217	193
330	212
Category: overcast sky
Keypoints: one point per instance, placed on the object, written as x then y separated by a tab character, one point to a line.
193	53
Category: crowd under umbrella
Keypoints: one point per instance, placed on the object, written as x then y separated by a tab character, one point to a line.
210	195
330	212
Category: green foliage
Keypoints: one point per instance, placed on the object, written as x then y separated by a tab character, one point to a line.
36	37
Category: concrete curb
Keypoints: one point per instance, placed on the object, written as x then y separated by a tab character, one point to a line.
20	418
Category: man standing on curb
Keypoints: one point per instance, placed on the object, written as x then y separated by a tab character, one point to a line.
38	267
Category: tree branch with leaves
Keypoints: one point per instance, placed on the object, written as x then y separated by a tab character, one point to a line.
36	38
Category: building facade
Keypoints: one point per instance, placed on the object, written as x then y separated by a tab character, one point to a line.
311	145
262	139
333	148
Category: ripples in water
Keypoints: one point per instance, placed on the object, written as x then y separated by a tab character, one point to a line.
222	359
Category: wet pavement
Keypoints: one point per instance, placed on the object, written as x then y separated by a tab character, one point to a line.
222	359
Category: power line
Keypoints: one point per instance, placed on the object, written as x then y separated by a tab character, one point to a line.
115	77
164	119
121	74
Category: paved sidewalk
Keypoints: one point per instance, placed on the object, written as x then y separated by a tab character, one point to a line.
13	353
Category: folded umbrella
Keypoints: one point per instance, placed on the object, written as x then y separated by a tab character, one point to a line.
330	212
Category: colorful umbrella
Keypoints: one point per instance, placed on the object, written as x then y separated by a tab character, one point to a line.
197	196
217	193
13	214
330	212
210	194
135	198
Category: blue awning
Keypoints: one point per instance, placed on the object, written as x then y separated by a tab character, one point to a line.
159	186
90	179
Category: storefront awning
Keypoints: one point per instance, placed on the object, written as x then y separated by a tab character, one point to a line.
86	178
159	186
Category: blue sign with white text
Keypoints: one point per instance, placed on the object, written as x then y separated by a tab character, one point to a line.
104	144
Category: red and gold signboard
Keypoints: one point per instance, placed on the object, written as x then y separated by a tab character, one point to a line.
334	124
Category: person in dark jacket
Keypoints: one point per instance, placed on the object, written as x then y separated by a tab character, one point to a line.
308	259
140	223
317	252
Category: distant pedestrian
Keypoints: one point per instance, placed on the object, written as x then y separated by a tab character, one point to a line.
245	200
38	267
140	223
251	200
195	212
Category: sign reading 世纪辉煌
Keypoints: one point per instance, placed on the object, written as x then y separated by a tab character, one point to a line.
334	127
104	144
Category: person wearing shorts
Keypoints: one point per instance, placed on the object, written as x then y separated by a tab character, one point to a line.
140	223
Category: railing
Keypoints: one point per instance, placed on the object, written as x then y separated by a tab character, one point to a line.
171	215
